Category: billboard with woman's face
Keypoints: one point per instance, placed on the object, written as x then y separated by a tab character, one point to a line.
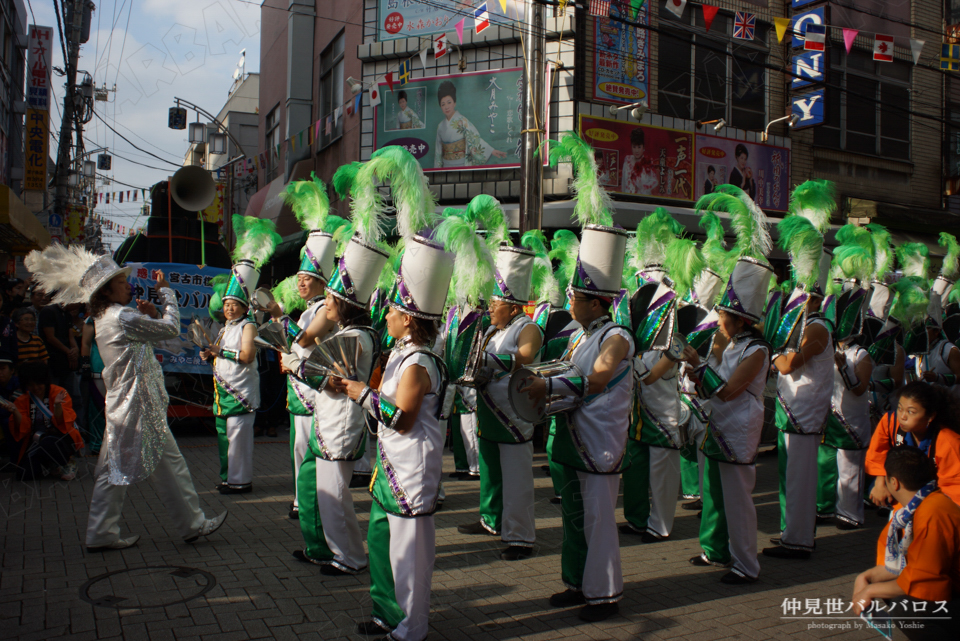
763	171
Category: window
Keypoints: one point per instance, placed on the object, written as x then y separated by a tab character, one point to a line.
720	78
331	91
272	128
868	115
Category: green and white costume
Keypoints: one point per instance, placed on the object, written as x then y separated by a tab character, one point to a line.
236	398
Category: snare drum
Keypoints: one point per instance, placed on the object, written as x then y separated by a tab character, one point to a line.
536	411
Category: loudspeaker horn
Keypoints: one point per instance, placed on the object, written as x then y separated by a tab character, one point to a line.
192	188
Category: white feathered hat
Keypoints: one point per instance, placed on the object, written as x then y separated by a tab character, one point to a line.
57	266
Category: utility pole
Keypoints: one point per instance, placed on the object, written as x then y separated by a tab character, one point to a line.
72	35
531	165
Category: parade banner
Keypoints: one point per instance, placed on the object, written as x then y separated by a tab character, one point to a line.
763	171
639	159
411	18
191	283
620	72
457	122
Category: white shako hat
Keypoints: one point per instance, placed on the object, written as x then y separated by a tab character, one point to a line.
706	288
941	287
513	277
423	279
600	261
243	282
881	300
823	278
319	255
100	273
746	291
357	272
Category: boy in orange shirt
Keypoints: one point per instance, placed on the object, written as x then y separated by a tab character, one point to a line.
918	554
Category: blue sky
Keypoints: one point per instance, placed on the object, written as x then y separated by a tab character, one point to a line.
154	50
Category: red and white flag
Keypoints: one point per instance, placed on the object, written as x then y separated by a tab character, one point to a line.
375	93
883	48
676	7
600	8
440	46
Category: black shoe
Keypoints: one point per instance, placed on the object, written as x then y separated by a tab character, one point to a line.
732	578
371	629
226	488
220	486
473	528
650	537
332	570
630	528
556	500
457	475
301	556
781	552
696	504
847	525
294	514
545	469
700	562
775	540
515	553
470	476
359	480
824	519
567	599
598	612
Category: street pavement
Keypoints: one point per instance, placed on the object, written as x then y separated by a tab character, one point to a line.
243	583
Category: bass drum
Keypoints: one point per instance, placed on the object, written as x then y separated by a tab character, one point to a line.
537	411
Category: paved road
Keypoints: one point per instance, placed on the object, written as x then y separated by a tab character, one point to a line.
259	590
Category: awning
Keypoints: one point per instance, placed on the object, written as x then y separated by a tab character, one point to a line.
20	230
268	204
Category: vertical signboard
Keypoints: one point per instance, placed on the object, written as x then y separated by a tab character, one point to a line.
38	107
620	58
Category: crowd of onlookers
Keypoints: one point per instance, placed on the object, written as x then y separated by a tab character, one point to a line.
49	406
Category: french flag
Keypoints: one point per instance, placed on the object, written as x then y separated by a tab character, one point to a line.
481	19
815	37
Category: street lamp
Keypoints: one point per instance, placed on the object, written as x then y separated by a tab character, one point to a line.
89	169
197	133
216	143
792	119
637	109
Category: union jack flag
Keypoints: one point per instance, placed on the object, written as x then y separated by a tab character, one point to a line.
744	25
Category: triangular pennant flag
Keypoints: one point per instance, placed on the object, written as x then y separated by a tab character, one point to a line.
709	13
338	113
350	108
849	35
279	149
300	140
293	143
121	196
503	5
356	103
310	135
389	78
128	195
459	34
316	127
423	57
135	195
327	127
916	46
782	24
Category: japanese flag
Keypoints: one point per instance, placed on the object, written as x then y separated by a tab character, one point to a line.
883	48
676	7
440	46
375	93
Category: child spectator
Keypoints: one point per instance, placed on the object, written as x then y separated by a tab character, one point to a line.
30	347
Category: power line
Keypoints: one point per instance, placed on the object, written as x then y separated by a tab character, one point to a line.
132	144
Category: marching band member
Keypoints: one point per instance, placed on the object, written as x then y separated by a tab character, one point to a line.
236	389
805	365
881	331
941	363
137	442
732	379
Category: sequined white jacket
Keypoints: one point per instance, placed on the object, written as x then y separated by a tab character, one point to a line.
136	400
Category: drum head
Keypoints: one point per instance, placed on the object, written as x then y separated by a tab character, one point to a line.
528	410
262	297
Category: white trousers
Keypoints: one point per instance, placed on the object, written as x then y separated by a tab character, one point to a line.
364	465
738	482
335	502
696	430
602	574
801	496
468	427
850	464
413	546
301	441
664	489
171	480
240	451
516	466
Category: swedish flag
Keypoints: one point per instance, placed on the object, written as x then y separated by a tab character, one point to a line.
950	57
406	68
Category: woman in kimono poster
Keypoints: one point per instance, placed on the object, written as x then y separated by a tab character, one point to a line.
458	142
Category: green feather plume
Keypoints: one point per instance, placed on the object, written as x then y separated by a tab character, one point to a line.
309	201
257	239
389	272
286	293
748	221
344	178
714	248
914	259
412	198
474	265
654	233
855	254
801	240
953	298
815	200
835	280
594	206
684	262
882	251
564	249
487	210
949	269
545	286
912	300
219	285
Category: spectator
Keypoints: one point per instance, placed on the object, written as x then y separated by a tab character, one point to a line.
62	348
13	295
29	345
918	554
9	390
38	300
42	423
8	331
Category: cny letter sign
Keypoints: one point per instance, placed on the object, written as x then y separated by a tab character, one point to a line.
411	18
458	122
763	171
192	287
642	160
37	136
620	59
